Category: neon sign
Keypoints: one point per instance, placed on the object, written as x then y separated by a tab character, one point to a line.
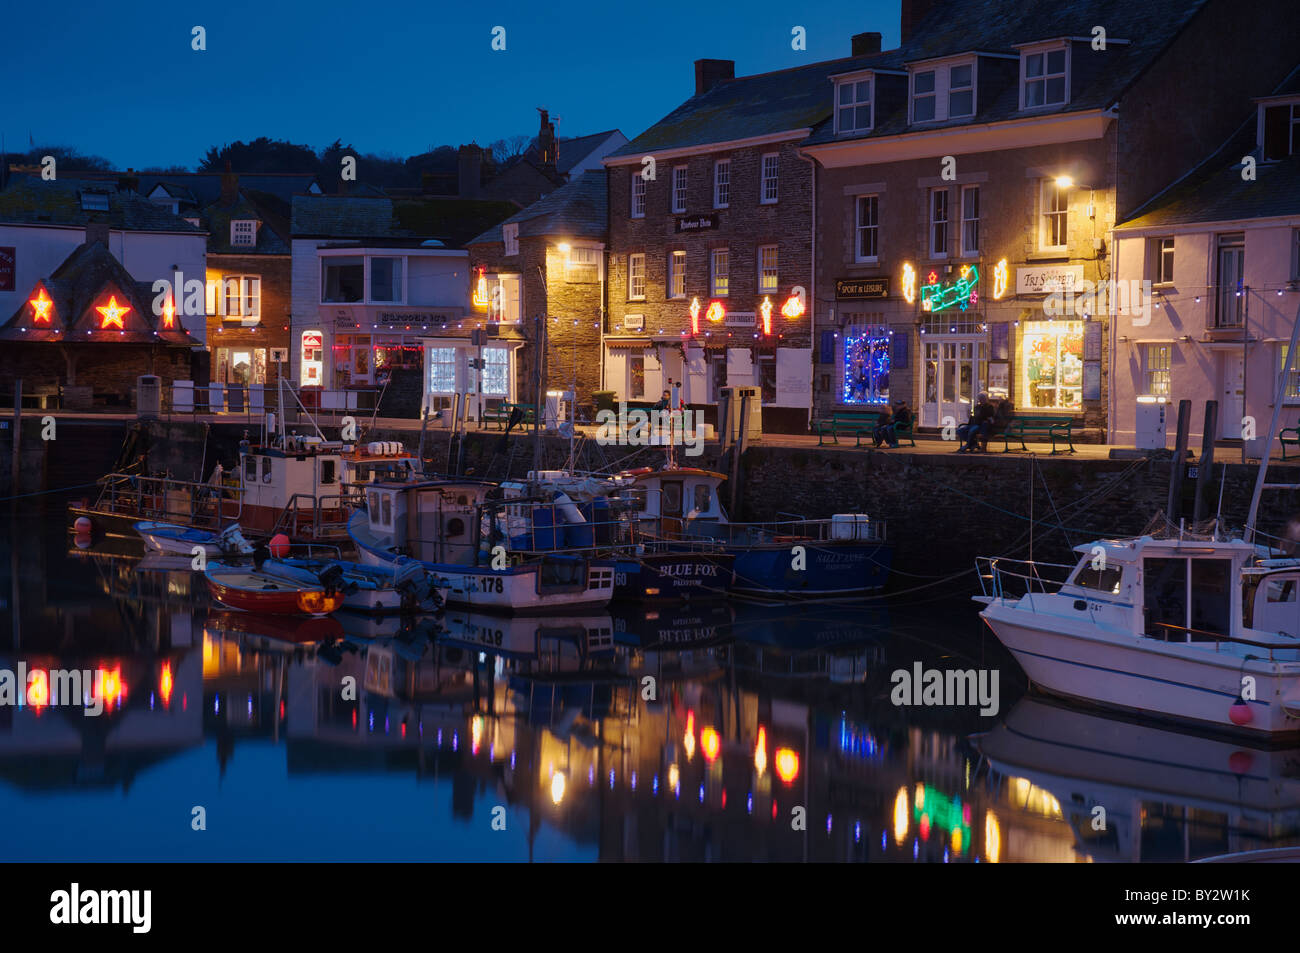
1001	275
169	315
695	315
794	305
938	295
766	310
716	312
909	284
112	313
41	306
480	297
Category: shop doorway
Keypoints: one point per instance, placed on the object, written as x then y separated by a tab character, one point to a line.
955	372
1232	394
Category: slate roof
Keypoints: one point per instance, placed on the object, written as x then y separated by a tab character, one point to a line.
453	221
340	216
204	188
84	281
573	149
30	200
273	236
769	103
579	209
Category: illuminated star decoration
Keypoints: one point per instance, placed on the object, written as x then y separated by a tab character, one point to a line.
41	305
766	310
716	312
909	284
112	313
695	315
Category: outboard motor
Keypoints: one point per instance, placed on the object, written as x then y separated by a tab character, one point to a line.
331	577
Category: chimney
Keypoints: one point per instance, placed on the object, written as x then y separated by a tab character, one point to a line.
914	12
229	186
546	145
129	182
709	73
97	232
469	171
865	44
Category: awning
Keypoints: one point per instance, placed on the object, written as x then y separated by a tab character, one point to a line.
628	342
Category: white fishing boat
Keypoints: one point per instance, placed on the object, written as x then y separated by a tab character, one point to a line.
173	539
404	586
440	524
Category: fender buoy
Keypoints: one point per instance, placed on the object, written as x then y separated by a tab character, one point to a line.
1240	713
279	545
82	526
1239	762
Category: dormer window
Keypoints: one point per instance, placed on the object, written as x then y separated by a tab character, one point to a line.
1280	130
94	201
510	238
243	231
1043	77
853	106
944	91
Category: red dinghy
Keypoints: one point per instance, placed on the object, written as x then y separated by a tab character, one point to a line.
241	587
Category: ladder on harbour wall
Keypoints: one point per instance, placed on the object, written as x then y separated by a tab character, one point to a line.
1279	395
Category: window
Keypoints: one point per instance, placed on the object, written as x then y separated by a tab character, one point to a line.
1292	394
719	261
1043	78
1280	590
496	372
970	220
938	223
768	192
677	274
638	195
635	377
241	296
679	188
722	183
250	468
1157	360
866	363
1164	260
867	247
767	271
1281	131
1295	254
1055	203
243	232
1230	302
582	265
1103	580
342	279
94	201
923	96
1052	365
386	280
636	277
703	498
766	378
961	91
510	237
853	106
442	370
503	298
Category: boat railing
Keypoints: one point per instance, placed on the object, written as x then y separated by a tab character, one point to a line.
1004	578
202	505
1263	640
317	516
791	531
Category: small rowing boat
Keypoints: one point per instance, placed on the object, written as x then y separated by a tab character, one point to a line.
405	587
174	539
241	587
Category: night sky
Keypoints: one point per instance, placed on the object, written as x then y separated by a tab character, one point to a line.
396	77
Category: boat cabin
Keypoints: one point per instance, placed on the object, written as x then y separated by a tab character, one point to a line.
306	466
436	521
1169	589
673	499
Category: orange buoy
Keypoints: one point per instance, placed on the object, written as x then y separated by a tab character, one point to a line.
1240	713
279	546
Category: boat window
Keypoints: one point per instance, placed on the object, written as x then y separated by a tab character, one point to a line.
1280	590
387	509
1211	595
250	468
326	471
670	504
455	527
463	500
1103	580
1165	598
702	497
266	469
372	504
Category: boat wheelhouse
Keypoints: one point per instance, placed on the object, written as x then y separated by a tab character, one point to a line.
1204	631
440	523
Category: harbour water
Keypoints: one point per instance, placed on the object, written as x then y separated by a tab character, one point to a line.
723	732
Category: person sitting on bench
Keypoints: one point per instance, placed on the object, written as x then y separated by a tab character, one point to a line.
981	420
886	431
1002	417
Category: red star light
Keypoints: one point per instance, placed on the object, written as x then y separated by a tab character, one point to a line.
112	313
41	305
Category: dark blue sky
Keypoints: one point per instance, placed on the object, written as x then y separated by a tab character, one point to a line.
394	76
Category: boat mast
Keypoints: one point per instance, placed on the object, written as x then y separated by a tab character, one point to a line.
1272	426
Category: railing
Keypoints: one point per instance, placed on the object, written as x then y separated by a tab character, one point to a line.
763	533
993	571
203	505
308	515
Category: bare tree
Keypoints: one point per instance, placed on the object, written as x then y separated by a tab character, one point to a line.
503	150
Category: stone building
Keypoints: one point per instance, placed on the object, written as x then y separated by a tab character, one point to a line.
969	176
547	263
711	243
1221	249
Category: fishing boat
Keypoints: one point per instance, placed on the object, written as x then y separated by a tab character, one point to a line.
245	587
1194	629
175	540
844	557
440	523
406	586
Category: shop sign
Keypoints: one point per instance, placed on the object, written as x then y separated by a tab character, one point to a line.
696	223
1049	279
850	289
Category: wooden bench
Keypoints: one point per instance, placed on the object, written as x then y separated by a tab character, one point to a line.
1048	428
855	424
905	430
1293	439
501	415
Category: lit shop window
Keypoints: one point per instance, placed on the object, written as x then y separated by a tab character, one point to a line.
866	365
496	372
312	365
1052	362
442	370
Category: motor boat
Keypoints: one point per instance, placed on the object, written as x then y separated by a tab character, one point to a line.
405	587
174	539
247	588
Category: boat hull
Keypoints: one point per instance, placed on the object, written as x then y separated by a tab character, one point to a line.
267	595
657	577
1132	673
828	569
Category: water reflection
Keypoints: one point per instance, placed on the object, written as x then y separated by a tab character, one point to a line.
724	732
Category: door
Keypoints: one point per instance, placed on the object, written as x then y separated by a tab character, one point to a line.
954	374
1232	394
